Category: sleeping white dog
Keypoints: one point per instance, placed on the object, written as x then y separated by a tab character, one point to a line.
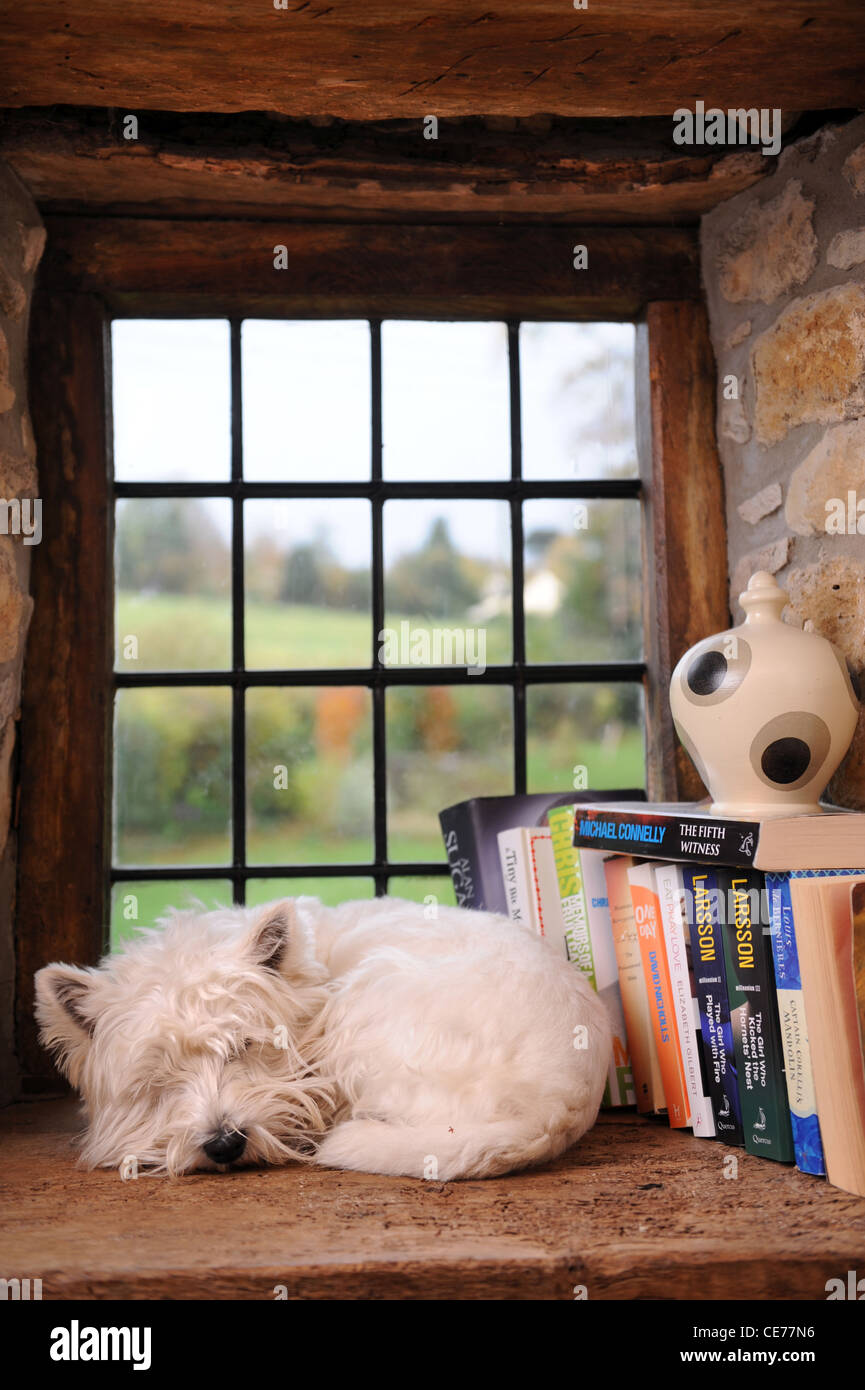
362	1036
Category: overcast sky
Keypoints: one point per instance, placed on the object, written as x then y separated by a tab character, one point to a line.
306	415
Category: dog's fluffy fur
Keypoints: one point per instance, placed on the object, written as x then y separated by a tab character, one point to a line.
363	1036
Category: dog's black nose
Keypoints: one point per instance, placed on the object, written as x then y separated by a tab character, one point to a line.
226	1147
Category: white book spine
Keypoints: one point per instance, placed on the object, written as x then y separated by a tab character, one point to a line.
550	921
515	875
670	886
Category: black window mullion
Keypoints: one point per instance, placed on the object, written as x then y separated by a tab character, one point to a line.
379	744
518	620
385	488
238	652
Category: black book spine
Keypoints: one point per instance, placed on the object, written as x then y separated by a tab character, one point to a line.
716	1033
461	847
754	1015
664	835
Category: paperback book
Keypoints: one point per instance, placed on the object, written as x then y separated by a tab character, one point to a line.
754	1015
707	951
829	927
588	935
690	833
648	1084
798	1071
659	990
671	901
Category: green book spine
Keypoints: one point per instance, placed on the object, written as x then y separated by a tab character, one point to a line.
589	942
754	1015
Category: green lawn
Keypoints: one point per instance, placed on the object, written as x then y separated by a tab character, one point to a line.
188	632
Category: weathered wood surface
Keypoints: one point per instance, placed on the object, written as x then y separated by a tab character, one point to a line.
634	1211
379	59
685	529
360	269
66	692
247	167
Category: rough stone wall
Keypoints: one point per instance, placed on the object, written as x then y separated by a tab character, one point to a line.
784	273
22	238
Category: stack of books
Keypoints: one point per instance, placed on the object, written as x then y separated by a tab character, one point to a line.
730	955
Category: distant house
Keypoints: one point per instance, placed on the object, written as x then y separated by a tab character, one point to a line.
542	595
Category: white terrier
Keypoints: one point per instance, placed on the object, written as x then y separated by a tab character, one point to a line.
362	1036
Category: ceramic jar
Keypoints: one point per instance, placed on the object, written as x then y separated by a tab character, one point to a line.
765	710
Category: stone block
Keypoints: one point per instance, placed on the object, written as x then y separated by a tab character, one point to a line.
847	249
826	476
771	557
763	503
770	250
810	365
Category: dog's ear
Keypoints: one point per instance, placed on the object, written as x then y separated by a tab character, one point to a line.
271	934
66	1012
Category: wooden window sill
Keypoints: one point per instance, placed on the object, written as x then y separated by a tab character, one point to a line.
635	1211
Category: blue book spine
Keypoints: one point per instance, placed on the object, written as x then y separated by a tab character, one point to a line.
794	1028
705	917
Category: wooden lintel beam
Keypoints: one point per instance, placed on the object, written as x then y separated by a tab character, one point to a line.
622	172
508	271
380	59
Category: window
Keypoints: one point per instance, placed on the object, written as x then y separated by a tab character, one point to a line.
362	570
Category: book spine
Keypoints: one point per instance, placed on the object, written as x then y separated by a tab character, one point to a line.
648	1086
665	835
833	981
754	1016
462	855
544	888
670	886
588	938
659	991
578	942
515	876
799	1073
707	953
620	1083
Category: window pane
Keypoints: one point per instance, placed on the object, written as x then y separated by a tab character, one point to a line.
447	566
309	775
171	399
172	777
577	400
331	891
583	581
306	400
421	890
135	905
590	736
308	592
445	743
172	572
445	401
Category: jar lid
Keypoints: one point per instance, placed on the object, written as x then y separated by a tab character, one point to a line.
764	599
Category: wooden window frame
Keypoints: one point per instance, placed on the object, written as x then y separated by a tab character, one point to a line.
96	269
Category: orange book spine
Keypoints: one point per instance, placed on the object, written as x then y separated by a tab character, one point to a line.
659	988
648	1085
